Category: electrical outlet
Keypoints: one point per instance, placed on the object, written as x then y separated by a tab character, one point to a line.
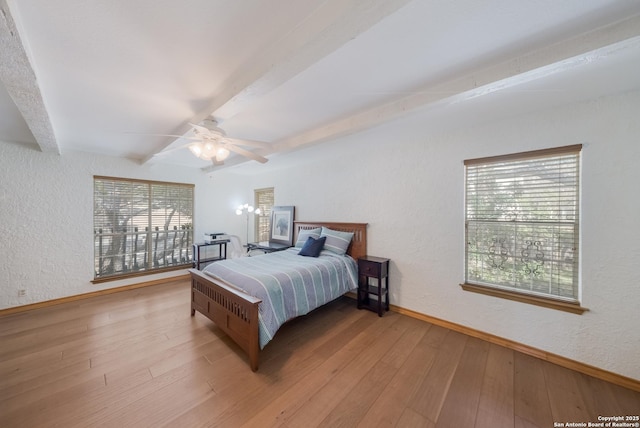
22	293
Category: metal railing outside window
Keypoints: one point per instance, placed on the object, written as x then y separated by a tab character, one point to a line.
141	226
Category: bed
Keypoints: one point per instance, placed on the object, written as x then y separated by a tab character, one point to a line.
219	291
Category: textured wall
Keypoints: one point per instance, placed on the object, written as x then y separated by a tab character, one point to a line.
46	220
408	185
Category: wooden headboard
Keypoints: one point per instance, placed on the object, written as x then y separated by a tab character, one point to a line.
358	246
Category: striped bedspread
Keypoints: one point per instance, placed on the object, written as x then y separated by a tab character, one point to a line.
288	284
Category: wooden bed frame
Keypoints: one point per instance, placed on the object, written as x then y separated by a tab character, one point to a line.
235	312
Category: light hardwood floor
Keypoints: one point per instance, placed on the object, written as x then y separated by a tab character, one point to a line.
137	359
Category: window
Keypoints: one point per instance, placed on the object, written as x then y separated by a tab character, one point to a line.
522	224
264	201
141	226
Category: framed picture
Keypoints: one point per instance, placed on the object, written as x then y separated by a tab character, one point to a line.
282	225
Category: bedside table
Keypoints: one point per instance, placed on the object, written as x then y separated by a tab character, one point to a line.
199	259
370	267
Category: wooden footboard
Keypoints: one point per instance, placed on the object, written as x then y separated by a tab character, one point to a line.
236	313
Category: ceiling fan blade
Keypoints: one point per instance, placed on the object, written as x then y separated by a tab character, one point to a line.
210	129
210	133
172	135
246	153
171	150
249	143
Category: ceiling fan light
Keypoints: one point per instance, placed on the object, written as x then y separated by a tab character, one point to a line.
213	146
222	153
208	151
196	149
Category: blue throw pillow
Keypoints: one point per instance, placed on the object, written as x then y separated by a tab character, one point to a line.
312	247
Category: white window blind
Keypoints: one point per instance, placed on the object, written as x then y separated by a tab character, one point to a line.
263	200
522	222
141	226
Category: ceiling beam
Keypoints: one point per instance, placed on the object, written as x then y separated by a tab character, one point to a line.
332	24
544	62
20	80
547	61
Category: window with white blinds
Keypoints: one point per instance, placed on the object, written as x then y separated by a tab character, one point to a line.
522	222
141	226
263	200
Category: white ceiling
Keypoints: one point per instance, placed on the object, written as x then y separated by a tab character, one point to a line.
295	73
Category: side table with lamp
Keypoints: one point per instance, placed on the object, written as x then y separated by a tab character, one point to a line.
200	256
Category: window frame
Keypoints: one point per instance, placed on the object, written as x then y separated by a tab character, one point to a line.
262	226
149	248
496	290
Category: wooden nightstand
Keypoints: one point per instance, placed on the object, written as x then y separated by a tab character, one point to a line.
370	267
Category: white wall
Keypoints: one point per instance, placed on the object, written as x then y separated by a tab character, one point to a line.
408	185
46	219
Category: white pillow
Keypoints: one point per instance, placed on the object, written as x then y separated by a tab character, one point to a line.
337	242
305	234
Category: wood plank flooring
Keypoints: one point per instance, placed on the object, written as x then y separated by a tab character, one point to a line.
138	359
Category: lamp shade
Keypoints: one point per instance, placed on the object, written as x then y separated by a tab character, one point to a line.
196	149
209	150
222	153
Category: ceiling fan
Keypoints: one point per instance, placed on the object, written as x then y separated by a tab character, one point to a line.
212	144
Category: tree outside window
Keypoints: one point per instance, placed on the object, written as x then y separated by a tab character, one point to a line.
141	226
